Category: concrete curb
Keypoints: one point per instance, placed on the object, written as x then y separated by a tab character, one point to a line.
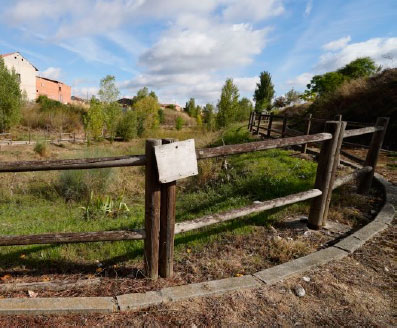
35	306
210	288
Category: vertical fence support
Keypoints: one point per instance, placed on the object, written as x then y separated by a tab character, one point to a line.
373	154
29	135
334	169
284	129
259	123
338	117
249	121
167	226
324	175
307	131
269	125
152	210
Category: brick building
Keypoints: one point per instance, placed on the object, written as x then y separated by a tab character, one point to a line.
53	89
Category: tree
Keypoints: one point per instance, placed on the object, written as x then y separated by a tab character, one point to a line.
209	117
199	120
330	81
10	98
280	102
112	113
147	113
191	108
108	92
244	109
93	120
228	104
361	67
127	125
264	92
292	97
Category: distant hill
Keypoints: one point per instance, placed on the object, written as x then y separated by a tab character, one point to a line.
361	100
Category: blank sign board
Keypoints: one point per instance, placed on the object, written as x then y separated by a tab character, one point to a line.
176	160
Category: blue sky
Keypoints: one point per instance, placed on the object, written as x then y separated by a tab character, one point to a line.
187	48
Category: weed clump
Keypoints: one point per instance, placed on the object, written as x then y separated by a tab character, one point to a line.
41	148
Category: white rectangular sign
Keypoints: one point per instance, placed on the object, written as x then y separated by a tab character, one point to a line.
176	160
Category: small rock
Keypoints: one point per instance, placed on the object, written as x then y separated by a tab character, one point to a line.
307	233
257	202
290	239
387	269
32	294
272	229
299	291
306	279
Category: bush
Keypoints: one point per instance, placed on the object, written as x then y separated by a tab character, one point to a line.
127	126
178	123
41	148
77	185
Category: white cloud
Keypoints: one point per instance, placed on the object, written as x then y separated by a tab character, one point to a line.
300	81
52	73
337	44
309	7
252	10
215	47
85	92
376	48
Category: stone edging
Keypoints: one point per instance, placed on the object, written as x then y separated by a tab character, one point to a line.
271	275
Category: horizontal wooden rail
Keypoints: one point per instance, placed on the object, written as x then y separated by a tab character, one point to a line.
51	238
259	146
348	178
90	163
361	131
236	213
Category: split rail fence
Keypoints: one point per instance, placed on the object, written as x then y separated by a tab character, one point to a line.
160	199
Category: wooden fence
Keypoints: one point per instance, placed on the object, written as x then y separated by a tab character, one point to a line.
160	199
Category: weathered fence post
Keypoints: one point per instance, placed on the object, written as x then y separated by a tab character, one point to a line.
334	169
249	121
152	210
373	154
29	135
283	131
307	132
259	123
324	175
269	126
338	117
167	226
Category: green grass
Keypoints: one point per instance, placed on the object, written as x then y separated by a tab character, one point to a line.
255	176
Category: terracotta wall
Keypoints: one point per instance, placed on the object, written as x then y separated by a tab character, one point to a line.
55	90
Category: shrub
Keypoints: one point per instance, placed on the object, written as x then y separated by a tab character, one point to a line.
178	123
77	185
41	148
127	126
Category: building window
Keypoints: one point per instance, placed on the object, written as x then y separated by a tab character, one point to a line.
60	88
19	77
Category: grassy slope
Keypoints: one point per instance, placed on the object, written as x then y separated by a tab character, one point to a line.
250	177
